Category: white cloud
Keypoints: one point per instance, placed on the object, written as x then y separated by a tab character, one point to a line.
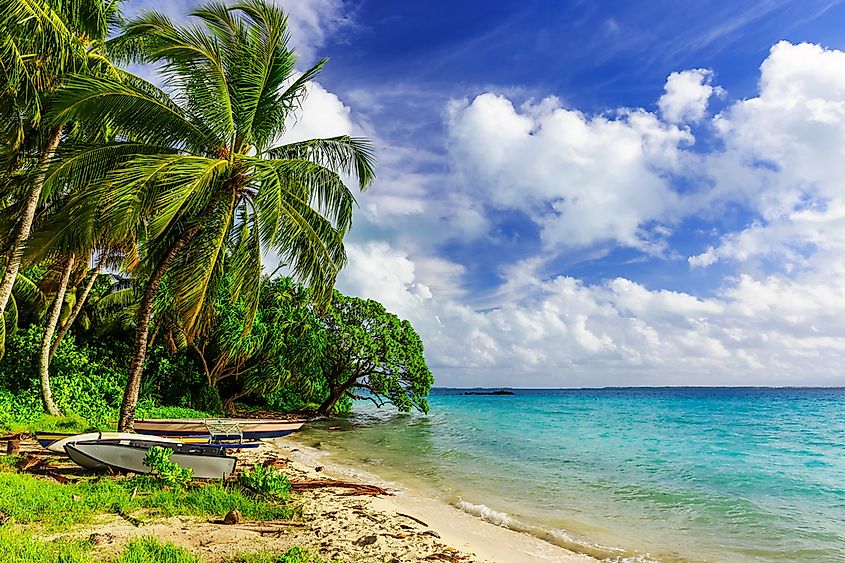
784	158
322	114
583	180
687	95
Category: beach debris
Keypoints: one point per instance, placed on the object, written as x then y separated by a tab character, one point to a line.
232	517
354	488
13	444
276	462
318	468
431	533
449	554
97	539
129	518
32	462
366	540
409	517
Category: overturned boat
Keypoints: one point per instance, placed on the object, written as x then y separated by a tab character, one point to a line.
206	461
241	429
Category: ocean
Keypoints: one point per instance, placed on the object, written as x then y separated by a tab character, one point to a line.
636	474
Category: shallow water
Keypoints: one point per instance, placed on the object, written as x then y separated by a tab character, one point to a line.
662	474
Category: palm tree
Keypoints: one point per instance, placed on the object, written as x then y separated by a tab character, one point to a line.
199	173
41	43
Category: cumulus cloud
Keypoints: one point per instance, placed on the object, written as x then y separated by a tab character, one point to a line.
783	157
687	95
583	180
322	114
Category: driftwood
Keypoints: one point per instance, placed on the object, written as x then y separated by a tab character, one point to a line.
33	462
354	488
264	524
408	516
451	557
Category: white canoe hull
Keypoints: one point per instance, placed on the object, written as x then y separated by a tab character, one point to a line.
59	445
206	462
247	428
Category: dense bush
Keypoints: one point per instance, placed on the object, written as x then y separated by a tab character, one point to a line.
81	385
88	382
266	480
166	470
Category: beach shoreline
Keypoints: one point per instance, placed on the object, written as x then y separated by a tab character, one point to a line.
472	536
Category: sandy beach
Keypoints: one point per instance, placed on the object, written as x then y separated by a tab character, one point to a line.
341	526
448	531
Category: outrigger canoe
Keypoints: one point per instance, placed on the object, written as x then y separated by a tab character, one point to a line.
205	461
243	429
55	441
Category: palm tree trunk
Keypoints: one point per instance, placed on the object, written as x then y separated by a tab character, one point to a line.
49	328
145	312
13	261
78	305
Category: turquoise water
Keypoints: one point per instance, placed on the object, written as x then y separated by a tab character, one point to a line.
662	474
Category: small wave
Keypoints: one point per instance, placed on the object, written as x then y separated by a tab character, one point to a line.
556	537
486	513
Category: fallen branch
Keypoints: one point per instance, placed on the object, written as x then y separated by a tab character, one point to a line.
408	516
265	525
355	488
131	519
33	462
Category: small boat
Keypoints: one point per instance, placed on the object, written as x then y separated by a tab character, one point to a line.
242	429
55	441
206	462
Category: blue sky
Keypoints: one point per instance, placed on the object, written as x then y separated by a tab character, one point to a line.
595	193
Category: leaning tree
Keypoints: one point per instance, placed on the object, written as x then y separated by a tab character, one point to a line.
372	351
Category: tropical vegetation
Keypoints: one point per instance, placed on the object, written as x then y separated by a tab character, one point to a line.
136	216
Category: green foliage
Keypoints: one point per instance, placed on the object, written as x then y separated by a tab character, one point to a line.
148	410
171	473
150	550
372	350
81	385
292	555
266	480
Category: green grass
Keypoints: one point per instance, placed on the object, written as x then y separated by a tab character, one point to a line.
22	547
48	423
53	506
150	550
292	555
19	547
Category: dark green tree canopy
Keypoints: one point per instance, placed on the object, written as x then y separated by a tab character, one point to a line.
372	350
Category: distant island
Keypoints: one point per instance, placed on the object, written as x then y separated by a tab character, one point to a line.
496	392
